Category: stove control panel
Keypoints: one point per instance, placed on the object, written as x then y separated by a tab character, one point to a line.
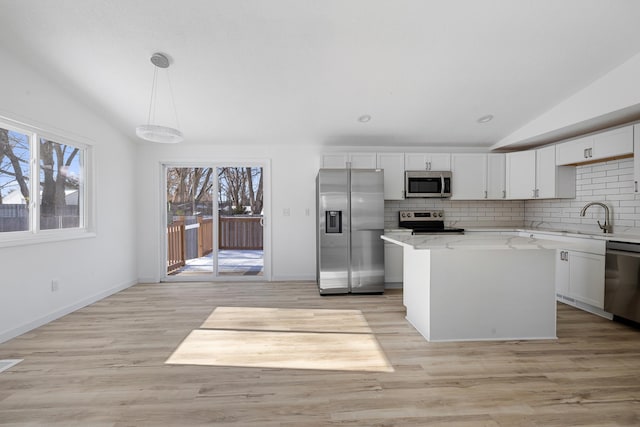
422	216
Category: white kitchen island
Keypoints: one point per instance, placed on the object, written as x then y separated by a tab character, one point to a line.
479	287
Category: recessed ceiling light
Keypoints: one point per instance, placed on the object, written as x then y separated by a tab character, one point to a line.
485	119
364	118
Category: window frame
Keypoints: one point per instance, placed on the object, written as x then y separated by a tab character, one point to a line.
34	234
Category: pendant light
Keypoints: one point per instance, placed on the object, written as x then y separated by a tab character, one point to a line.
152	132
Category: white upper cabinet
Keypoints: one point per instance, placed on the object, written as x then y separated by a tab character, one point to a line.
496	176
546	176
521	174
340	160
393	166
427	161
363	160
533	174
469	176
604	145
478	176
334	160
636	156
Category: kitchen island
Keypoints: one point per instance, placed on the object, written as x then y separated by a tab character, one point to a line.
479	287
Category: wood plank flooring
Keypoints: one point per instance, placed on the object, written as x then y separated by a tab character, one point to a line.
104	365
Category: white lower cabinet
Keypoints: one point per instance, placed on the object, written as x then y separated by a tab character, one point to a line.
392	263
580	276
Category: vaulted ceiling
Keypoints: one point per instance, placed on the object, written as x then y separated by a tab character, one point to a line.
304	71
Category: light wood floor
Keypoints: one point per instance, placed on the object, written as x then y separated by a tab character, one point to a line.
105	365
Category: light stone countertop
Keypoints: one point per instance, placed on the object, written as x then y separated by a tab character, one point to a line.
621	237
482	241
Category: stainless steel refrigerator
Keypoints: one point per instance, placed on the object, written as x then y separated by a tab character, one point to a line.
350	221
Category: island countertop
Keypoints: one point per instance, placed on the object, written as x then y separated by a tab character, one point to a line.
484	241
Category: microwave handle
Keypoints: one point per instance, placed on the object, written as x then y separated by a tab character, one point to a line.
441	185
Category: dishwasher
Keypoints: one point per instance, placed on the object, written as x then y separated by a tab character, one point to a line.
622	280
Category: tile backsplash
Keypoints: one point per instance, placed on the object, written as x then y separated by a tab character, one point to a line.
461	213
609	182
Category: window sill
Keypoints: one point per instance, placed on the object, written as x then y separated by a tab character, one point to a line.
44	237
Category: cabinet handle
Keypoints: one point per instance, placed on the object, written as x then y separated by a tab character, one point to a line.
636	186
584	153
504	193
486	195
590	152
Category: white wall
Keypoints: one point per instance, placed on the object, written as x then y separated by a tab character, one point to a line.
293	172
615	91
87	269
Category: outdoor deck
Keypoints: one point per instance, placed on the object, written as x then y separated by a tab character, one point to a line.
232	262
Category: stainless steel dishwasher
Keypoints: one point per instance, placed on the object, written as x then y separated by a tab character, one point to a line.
622	280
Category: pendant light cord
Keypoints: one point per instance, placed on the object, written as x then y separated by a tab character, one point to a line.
153	95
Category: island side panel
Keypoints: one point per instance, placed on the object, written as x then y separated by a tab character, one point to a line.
416	284
492	295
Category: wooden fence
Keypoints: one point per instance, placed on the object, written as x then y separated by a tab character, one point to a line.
238	232
186	241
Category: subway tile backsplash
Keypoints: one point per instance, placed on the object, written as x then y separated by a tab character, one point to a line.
609	182
462	213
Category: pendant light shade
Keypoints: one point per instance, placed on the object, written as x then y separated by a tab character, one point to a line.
153	132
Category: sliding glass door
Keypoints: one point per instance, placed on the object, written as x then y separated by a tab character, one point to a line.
215	222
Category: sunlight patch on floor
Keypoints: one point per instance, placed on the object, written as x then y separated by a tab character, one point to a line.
284	338
287	319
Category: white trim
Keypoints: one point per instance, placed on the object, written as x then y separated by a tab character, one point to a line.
86	198
56	314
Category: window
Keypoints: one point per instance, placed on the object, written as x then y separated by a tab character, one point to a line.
42	184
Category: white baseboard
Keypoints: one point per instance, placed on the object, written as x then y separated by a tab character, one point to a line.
14	332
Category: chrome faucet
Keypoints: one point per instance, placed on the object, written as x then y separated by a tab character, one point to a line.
606	227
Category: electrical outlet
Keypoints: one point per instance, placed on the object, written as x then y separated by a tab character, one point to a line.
55	285
286	212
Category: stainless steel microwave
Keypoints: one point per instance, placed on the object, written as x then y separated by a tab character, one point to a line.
427	184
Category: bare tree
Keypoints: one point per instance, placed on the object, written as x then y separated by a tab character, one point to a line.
55	161
188	188
14	161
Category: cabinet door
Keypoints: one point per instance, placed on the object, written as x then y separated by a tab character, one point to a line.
496	176
636	156
335	160
562	272
586	278
415	161
521	174
362	160
393	166
616	142
427	161
439	161
469	180
546	172
572	152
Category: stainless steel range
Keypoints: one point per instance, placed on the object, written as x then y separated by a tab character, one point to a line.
426	222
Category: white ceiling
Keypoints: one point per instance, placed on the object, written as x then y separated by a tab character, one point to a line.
303	71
